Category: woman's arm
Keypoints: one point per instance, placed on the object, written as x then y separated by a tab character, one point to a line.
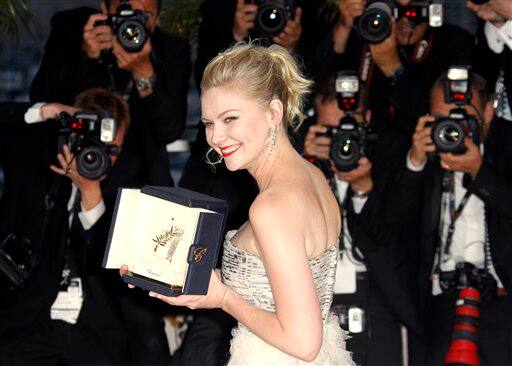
296	326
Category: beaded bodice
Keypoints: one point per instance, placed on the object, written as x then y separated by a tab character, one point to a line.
245	274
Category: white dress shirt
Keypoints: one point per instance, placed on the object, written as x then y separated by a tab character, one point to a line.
469	231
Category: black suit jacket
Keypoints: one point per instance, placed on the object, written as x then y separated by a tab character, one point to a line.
157	119
26	153
492	184
382	225
402	102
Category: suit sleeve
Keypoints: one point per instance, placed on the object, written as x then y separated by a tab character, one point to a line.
493	189
165	109
65	67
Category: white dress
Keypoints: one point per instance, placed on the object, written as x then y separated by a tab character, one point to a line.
245	274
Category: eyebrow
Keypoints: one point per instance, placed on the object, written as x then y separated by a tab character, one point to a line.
220	115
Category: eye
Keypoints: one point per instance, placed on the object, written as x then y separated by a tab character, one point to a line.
207	124
230	119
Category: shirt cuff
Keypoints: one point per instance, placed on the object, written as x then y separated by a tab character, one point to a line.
33	114
411	166
497	38
89	218
505	32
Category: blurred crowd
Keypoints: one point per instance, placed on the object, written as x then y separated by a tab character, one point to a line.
409	119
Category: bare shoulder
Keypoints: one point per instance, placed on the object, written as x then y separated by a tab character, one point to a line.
274	203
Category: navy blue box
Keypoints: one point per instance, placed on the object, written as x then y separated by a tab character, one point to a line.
203	253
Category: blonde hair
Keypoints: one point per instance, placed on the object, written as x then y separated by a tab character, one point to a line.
263	74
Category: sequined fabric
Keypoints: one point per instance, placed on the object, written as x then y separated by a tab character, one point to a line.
245	274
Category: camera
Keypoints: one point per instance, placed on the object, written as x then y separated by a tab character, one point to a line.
350	139
466	275
272	16
129	27
17	260
88	134
474	284
448	133
374	25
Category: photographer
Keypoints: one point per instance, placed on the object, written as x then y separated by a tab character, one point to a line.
399	69
83	52
65	311
465	229
372	289
492	56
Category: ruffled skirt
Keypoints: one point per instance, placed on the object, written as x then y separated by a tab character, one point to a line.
248	349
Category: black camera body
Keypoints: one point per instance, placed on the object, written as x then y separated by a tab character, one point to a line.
350	139
349	143
17	260
467	275
129	27
448	133
272	16
374	25
88	134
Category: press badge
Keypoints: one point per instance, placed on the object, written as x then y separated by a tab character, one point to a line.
345	276
68	303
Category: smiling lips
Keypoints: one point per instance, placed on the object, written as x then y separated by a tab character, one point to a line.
229	150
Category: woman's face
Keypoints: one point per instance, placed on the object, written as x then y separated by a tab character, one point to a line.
236	127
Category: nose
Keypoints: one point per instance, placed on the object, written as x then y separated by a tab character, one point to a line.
218	134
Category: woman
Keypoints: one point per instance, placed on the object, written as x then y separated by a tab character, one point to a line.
279	268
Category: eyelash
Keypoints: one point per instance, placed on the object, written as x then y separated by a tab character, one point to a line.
226	120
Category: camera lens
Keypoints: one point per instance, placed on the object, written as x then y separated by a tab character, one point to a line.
374	26
132	35
344	152
93	162
271	18
448	136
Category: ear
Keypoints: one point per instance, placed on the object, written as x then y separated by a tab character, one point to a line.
276	110
488	113
368	116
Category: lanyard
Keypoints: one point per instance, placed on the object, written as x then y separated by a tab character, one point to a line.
448	187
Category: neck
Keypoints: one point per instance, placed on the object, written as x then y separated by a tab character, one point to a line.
264	169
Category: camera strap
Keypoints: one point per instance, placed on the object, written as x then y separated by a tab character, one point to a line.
420	54
448	187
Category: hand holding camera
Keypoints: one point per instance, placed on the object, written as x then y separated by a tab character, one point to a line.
96	37
290	36
469	162
244	19
350	10
316	143
89	188
360	178
278	20
385	53
422	143
139	64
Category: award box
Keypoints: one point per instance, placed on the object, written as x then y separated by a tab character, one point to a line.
169	238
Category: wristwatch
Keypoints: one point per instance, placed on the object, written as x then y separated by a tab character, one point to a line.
142	84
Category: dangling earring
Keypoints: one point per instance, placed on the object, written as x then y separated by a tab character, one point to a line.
273	139
207	157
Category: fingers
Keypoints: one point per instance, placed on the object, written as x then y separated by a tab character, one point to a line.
93	19
57	170
423	120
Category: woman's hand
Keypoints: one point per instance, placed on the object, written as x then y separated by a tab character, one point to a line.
213	299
